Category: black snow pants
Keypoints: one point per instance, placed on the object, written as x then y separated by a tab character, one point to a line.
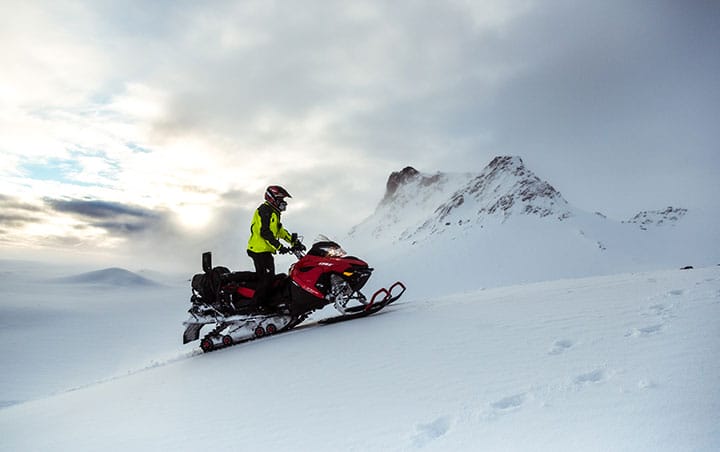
265	270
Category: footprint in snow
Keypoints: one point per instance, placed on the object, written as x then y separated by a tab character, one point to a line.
676	292
660	310
508	404
560	346
645	331
426	433
596	376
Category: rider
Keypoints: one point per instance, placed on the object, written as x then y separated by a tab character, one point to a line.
265	232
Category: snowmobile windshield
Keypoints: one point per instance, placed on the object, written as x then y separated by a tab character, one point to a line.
325	247
334	250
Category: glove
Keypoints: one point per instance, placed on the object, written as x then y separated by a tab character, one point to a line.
283	249
296	244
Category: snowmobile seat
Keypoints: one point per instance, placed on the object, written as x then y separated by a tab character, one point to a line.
244	283
243	277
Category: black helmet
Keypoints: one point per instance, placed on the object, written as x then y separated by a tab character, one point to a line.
275	196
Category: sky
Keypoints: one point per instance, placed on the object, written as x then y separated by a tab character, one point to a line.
146	132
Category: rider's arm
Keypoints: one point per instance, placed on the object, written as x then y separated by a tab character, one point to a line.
284	234
265	212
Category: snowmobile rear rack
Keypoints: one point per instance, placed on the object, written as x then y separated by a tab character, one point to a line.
207	261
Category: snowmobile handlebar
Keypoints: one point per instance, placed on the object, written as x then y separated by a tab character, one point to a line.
298	249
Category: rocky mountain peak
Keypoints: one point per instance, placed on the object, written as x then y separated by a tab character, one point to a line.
508	163
416	204
646	218
405	177
504	187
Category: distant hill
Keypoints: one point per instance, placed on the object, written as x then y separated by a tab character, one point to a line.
109	276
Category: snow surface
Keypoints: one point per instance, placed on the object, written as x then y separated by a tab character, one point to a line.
620	362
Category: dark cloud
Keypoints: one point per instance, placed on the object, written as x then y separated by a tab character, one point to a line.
123	227
625	94
15	213
99	209
112	216
16	220
9	202
117	219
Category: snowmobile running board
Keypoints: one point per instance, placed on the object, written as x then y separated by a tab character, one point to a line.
374	306
192	328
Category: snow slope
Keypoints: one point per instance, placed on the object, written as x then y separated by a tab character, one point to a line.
622	362
59	335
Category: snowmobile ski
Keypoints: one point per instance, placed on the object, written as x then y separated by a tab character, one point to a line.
374	306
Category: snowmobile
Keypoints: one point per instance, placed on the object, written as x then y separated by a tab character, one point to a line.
323	275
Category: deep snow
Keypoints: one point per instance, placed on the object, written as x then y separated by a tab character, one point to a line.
620	362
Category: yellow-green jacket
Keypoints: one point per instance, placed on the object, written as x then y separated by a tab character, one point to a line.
266	229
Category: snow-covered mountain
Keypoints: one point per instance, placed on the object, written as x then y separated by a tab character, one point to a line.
506	187
521	229
409	196
417	204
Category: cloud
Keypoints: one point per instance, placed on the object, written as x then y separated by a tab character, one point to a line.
16	213
99	209
121	223
90	224
164	121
